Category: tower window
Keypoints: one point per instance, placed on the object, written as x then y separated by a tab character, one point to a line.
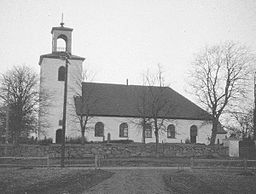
61	43
60	122
61	73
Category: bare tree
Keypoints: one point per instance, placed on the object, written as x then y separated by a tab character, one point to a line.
87	102
45	101
155	105
241	122
21	84
2	123
219	79
142	108
254	110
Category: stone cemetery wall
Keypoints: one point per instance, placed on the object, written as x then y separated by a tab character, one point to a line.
115	150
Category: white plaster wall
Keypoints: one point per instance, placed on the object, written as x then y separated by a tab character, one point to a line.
111	125
55	90
225	142
233	148
221	137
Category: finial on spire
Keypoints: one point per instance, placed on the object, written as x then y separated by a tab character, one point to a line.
62	24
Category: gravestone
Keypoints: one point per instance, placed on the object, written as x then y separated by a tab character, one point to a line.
109	138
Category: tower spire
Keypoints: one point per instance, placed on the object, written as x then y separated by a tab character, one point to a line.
62	23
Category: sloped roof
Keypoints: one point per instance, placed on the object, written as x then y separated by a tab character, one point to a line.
57	55
102	99
61	28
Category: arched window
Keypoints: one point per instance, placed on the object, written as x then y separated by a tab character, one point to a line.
61	43
193	133
148	131
171	131
99	129
123	130
61	73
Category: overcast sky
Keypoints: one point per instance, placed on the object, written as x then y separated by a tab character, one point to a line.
121	39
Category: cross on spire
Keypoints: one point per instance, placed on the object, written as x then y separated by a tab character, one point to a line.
62	23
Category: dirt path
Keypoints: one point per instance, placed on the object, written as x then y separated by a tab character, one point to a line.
132	181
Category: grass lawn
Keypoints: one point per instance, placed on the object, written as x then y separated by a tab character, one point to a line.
205	181
49	180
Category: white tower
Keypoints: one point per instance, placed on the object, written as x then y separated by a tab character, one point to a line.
52	76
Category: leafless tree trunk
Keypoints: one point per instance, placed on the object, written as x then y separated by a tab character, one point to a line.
87	102
254	110
158	104
142	110
219	79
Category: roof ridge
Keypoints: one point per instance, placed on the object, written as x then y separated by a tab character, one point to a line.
116	84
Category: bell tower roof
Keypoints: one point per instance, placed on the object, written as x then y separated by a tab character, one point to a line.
61	38
61	28
61	43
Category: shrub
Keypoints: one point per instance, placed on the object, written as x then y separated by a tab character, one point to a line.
27	140
45	141
75	140
2	140
122	141
187	141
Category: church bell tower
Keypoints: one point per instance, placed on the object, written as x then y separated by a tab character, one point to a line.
52	79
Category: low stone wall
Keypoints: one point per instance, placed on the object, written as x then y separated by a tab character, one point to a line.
247	149
115	150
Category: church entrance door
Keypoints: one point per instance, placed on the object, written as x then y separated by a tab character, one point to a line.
59	136
193	134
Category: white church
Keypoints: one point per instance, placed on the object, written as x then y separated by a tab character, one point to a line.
115	110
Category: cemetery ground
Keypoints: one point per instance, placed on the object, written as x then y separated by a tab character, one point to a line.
205	174
122	180
49	180
210	181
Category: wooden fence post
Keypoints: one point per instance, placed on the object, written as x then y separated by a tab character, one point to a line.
191	163
48	161
245	164
97	161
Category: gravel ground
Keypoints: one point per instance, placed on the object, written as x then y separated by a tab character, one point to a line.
125	180
131	181
162	181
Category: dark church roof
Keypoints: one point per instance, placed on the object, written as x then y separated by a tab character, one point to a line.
102	99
